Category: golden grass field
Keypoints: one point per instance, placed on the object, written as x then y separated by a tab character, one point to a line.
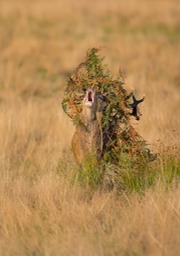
41	42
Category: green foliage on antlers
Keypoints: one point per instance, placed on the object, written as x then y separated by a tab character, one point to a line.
122	143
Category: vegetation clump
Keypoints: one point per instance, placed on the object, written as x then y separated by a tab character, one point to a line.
122	144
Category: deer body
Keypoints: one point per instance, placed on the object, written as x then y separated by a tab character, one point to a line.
87	139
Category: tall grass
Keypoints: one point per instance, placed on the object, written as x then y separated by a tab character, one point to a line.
53	214
127	178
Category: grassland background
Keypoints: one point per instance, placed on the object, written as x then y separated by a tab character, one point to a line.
41	42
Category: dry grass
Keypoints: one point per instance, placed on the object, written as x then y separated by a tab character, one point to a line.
41	212
51	217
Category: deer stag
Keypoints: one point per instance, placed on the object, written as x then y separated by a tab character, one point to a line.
88	137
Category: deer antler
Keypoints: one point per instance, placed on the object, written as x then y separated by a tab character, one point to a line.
134	105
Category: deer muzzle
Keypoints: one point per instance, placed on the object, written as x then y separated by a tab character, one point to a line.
89	98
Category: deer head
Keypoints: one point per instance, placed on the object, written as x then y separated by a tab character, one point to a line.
89	106
93	104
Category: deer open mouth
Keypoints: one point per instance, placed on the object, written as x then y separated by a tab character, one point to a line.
89	99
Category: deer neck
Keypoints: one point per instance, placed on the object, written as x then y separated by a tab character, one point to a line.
88	115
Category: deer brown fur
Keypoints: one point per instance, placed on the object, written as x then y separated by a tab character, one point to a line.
88	138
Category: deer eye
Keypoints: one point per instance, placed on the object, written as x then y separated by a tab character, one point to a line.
100	96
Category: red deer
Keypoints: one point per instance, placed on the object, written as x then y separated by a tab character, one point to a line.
88	137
